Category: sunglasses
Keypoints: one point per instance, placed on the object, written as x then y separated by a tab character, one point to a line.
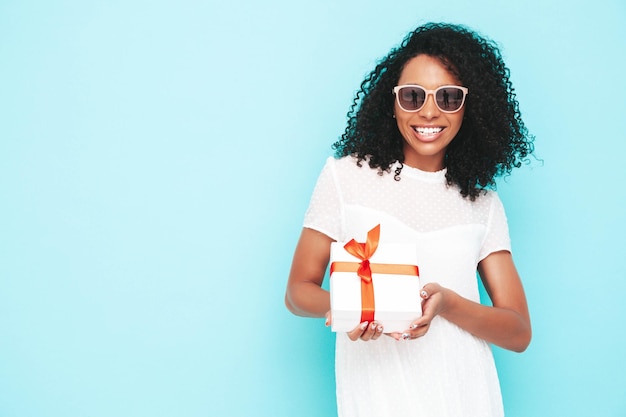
448	98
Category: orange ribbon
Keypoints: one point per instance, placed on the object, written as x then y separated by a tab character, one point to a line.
364	269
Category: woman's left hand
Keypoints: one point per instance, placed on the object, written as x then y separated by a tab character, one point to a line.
434	300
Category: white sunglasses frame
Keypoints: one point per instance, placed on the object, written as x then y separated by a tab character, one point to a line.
430	93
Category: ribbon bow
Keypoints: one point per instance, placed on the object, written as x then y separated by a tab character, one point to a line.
364	252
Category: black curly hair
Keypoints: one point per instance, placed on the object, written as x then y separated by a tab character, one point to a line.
493	138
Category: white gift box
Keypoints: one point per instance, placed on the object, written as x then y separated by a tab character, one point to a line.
396	296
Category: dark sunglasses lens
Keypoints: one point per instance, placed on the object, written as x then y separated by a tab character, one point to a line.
449	98
411	98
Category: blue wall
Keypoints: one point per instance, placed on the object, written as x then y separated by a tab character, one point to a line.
156	159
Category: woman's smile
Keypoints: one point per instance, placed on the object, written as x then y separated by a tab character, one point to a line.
427	133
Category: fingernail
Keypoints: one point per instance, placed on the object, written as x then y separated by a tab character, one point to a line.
380	329
424	294
364	325
327	323
405	336
413	326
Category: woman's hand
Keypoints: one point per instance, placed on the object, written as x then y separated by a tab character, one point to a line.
364	331
506	323
433	296
433	303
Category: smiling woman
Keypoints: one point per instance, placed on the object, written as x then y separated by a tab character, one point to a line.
439	112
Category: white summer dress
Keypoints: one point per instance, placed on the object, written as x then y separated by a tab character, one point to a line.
448	372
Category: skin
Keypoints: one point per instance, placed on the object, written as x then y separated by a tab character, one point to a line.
506	323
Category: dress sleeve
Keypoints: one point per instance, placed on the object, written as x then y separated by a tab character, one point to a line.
497	236
324	211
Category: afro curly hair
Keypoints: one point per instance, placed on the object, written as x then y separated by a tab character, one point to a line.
493	138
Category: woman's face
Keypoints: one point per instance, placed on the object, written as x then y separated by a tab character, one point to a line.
427	132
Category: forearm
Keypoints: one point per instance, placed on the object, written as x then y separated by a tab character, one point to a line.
307	299
305	296
503	327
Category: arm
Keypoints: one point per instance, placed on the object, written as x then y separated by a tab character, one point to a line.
506	324
304	296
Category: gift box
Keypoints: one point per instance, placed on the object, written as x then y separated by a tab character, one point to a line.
371	281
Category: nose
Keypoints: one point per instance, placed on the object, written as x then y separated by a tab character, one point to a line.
430	108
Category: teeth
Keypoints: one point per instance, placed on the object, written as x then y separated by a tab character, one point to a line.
428	131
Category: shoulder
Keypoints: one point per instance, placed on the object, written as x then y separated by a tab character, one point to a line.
339	167
483	209
344	162
493	206
492	198
487	199
350	165
346	173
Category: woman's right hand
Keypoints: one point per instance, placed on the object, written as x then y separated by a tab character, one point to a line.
366	331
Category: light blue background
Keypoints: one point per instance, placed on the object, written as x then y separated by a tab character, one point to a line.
156	159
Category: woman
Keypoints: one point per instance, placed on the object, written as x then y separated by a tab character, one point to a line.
431	128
